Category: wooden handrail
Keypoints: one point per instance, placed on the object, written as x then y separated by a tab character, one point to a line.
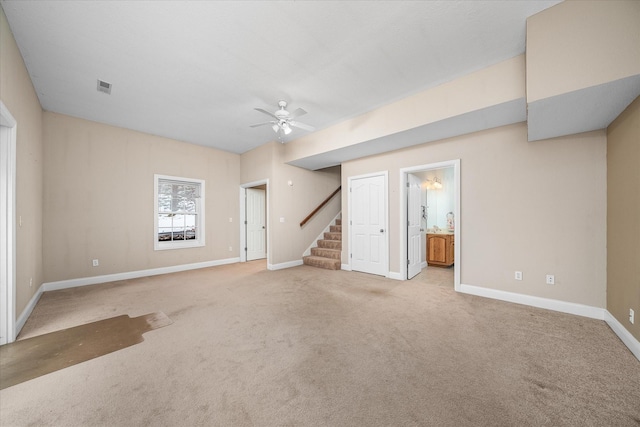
320	206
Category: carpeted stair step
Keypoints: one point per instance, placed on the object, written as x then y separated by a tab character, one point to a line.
332	235
321	262
338	222
327	253
335	229
330	244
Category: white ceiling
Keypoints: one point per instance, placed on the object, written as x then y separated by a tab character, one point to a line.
195	70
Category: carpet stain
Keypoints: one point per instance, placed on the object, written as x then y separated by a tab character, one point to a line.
378	292
543	386
177	313
30	358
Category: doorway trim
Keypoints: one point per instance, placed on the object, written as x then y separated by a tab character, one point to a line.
8	127
243	218
403	214
350	179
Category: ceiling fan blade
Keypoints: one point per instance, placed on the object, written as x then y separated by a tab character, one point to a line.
266	112
262	124
302	126
297	113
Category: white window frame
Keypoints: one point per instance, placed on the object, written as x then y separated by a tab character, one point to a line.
200	203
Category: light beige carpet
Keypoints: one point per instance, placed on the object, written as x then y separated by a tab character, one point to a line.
310	347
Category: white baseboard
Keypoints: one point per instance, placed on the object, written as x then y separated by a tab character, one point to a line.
22	319
394	275
423	265
625	336
284	265
546	303
345	267
562	306
84	281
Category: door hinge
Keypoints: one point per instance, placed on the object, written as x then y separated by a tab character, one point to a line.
349	189
245	249
407	185
350	255
245	223
408	263
408	223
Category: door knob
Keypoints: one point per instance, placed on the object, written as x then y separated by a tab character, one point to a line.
382	230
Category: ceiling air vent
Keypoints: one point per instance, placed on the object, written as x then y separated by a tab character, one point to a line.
104	87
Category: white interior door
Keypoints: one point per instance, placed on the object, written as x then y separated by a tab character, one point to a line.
256	224
414	237
368	224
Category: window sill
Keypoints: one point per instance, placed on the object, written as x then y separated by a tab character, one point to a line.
163	246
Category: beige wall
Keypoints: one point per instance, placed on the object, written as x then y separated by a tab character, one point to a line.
99	194
565	54
491	86
623	214
535	207
288	240
258	164
19	96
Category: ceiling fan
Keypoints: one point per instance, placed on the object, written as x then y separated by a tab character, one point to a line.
284	120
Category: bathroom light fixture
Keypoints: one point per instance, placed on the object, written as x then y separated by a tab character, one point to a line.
433	184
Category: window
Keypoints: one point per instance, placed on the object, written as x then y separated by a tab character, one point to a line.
179	212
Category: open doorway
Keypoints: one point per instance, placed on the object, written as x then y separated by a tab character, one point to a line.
430	208
7	225
254	220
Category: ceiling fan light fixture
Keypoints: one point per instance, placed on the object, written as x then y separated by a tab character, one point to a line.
284	121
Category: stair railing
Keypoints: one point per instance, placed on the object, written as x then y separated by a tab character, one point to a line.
320	206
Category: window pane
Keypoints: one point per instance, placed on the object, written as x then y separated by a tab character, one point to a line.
190	227
164	202
186	205
165	226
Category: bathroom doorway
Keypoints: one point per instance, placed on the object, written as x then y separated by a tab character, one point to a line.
439	218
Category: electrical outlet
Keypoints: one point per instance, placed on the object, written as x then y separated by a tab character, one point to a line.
632	316
230	249
31	284
230	219
551	279
96	263
518	275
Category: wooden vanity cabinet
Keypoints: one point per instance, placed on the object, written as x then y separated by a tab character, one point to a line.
440	249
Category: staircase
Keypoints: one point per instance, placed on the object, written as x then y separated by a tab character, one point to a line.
328	253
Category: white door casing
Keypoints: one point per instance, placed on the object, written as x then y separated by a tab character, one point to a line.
368	224
414	236
256	224
7	225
